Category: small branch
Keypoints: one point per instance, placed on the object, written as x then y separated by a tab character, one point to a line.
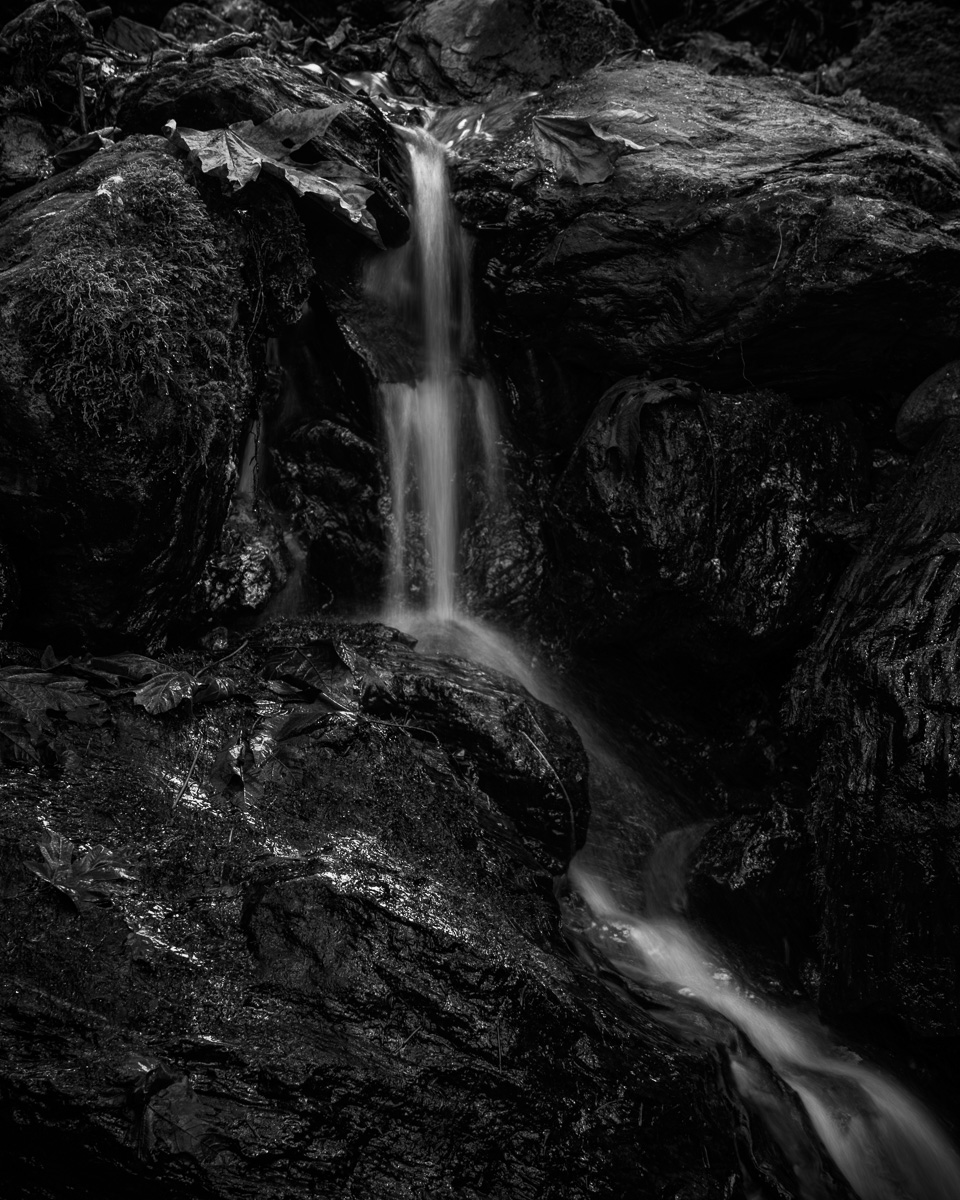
81	99
566	795
186	782
216	663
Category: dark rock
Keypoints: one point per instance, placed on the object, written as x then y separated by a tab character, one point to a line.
910	60
209	93
717	55
457	49
40	36
26	152
751	882
245	570
930	403
502	546
329	479
9	587
125	382
522	753
321	465
246	14
350	982
279	267
691	519
747	221
876	698
194	23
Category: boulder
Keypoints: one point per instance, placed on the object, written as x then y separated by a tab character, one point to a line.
457	49
194	23
935	400
693	524
910	60
26	152
357	147
751	882
288	947
651	218
9	587
717	55
125	385
875	698
39	37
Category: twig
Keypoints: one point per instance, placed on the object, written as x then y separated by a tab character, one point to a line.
216	663
81	99
566	796
779	248
186	781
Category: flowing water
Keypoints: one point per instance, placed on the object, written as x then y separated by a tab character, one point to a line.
446	417
630	900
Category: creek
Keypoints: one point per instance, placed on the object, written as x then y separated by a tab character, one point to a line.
625	906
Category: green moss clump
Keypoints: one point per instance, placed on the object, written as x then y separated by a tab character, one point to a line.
128	317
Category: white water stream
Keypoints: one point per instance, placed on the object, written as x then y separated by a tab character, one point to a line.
436	421
882	1140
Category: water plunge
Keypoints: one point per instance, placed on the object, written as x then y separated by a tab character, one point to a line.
445	419
442	424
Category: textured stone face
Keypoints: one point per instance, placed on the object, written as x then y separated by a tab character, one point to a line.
696	521
740	223
456	49
335	973
125	389
935	400
877	695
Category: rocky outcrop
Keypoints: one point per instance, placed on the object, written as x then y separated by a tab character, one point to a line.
126	388
26	152
213	93
454	50
700	524
293	943
751	882
909	60
875	696
650	218
931	402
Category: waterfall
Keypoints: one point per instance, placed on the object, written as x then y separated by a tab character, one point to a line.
440	421
884	1142
441	425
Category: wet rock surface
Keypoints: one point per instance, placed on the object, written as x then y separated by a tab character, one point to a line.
650	217
931	402
697	520
455	49
222	91
909	60
874	694
119	429
741	873
281	920
26	152
281	944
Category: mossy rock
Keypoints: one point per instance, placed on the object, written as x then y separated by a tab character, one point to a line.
125	386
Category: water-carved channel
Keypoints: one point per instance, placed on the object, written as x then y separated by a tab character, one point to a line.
623	906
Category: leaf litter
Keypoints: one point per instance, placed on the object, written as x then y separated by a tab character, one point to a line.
289	145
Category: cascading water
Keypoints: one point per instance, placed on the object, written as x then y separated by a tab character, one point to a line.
883	1141
435	422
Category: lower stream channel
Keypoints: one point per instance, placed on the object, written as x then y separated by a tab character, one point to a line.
623	896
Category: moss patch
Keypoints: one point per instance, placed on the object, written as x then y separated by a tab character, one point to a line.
133	303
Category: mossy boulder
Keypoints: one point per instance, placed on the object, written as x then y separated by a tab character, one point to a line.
125	385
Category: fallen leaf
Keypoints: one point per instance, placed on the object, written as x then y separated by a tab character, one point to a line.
580	152
237	155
